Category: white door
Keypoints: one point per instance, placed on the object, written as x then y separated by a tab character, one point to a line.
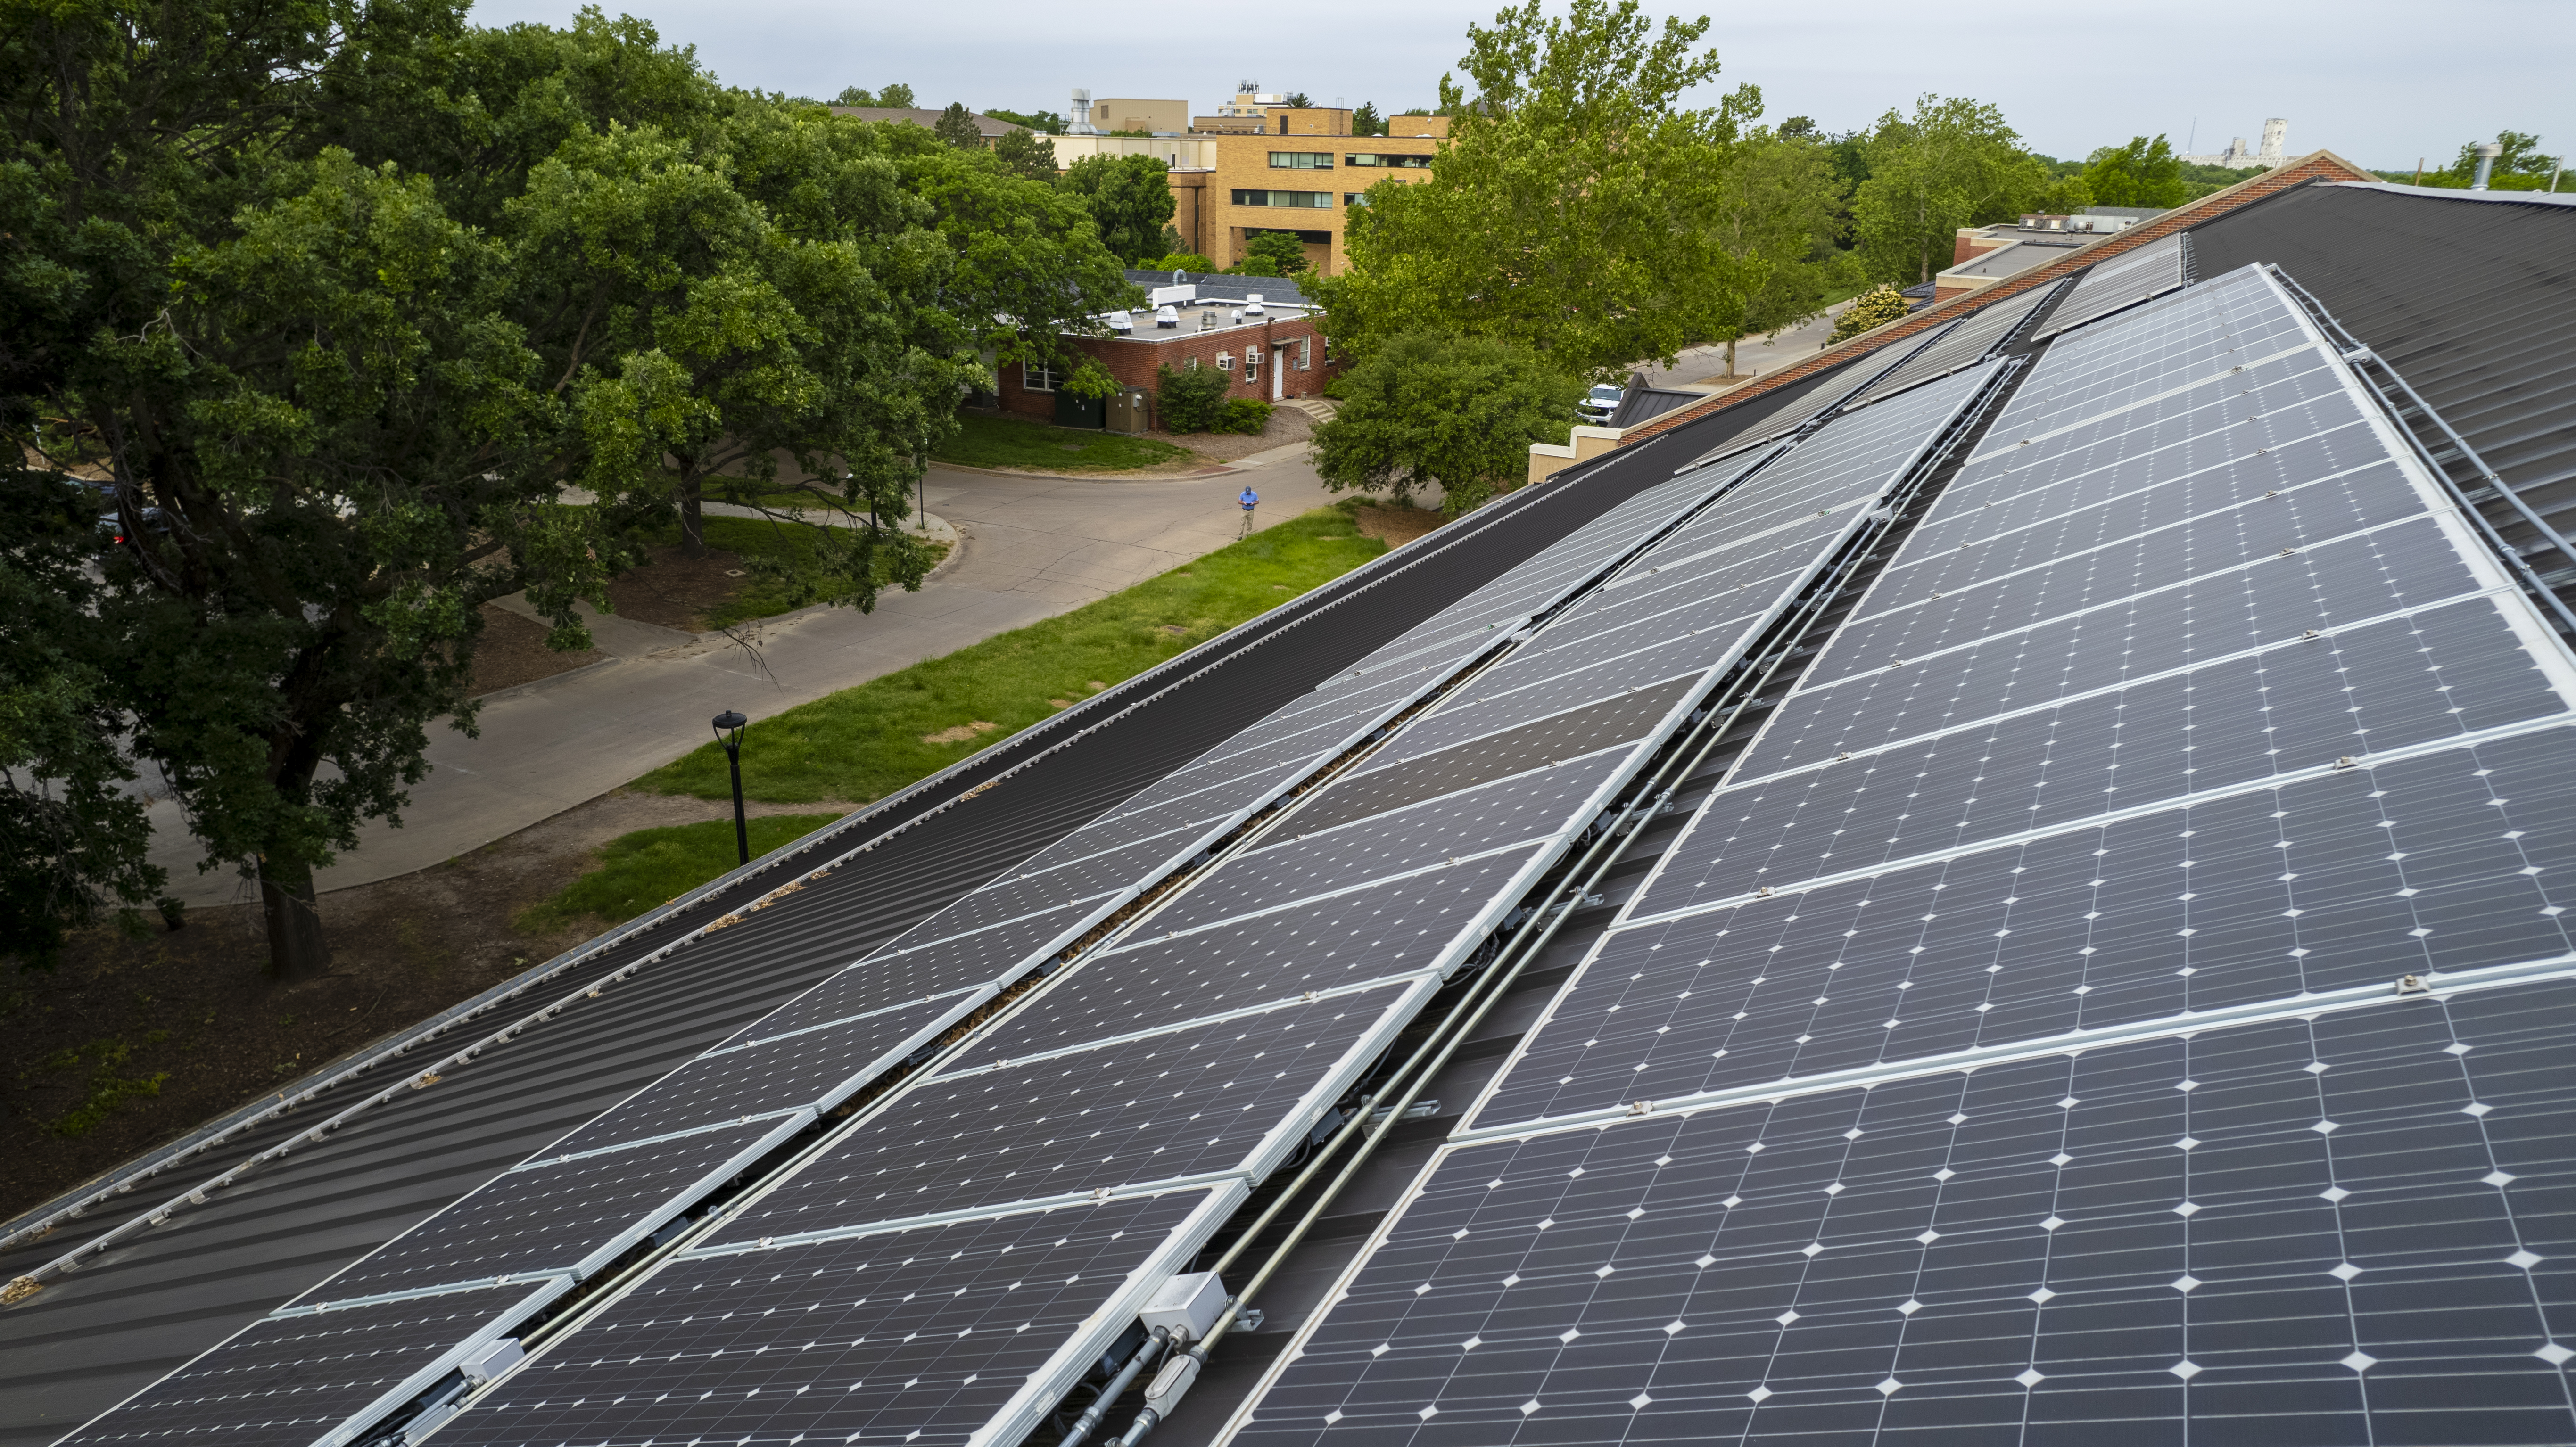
1279	373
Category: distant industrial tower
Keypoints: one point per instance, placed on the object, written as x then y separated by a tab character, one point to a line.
2276	134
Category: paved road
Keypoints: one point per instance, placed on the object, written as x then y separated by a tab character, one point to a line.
1753	356
1033	547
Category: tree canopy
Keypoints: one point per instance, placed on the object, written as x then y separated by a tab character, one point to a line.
2521	167
1571	212
1434	409
1952	163
340	308
1779	213
956	125
1129	198
2142	173
1024	155
1366	121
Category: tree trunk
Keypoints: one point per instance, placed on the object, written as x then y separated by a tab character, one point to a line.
693	521
296	950
1730	359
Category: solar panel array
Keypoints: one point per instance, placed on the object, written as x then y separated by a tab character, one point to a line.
1202	1046
588	1198
1975	336
1819	400
2119	988
2123	281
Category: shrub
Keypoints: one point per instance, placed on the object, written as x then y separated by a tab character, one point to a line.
1284	251
1244	415
1184	261
1191	401
1875	307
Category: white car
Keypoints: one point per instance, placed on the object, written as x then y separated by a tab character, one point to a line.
1600	403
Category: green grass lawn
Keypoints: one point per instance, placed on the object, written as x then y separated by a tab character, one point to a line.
650	867
1007	442
863	743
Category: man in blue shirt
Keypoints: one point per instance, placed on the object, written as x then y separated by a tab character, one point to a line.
1250	500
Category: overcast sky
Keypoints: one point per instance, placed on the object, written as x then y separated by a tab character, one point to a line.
2378	81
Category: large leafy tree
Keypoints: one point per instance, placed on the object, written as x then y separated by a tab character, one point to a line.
2142	173
1952	163
1779	214
1023	154
339	298
1129	198
1431	409
1571	213
2521	166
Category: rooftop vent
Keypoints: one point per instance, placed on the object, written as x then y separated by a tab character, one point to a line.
1121	322
1167	317
1166	295
1251	305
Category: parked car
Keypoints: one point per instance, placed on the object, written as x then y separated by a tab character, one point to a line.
112	527
1603	400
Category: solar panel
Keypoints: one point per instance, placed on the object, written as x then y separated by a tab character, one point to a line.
2328	1229
292	1377
1971	341
1018	1119
1701	594
2347	881
937	1335
568	1212
1817	402
2123	281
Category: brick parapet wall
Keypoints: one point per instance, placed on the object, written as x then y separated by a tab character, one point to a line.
2318	166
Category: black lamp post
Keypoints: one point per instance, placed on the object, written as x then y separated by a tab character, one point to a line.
729	726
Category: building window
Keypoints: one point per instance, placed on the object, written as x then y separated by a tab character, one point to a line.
1305	354
1401	163
1251	364
1039	377
1301	160
1315	200
1225	361
1355	198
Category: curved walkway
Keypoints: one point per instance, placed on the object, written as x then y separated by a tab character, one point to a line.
1030	548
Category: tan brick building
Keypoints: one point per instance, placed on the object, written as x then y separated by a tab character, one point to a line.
1255	167
1270	350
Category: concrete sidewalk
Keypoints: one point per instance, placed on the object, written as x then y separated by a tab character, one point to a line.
1030	548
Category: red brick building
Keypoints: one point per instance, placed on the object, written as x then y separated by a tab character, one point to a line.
1271	351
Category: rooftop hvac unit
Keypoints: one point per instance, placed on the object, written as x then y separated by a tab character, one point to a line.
1167	317
1121	322
1167	295
1252	305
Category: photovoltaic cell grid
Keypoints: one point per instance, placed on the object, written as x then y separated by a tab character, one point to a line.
1963	345
919	1335
2150	271
2327	1227
1699	596
1940	769
2350	1228
2428	865
1822	399
293	1379
1003	1128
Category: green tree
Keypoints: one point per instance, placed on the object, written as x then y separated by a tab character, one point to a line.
1285	253
1046	122
1366	121
72	838
957	127
1952	163
1778	215
1300	99
340	302
1570	214
1024	155
1129	198
897	98
2141	173
856	95
1429	409
1182	261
